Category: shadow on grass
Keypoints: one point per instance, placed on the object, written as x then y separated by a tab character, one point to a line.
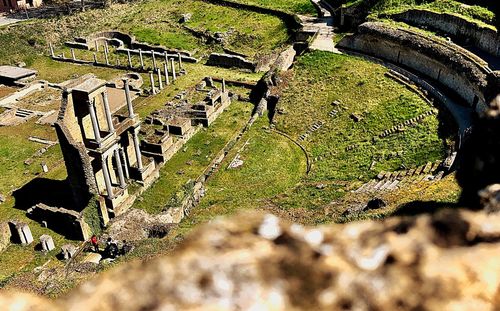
55	193
422	207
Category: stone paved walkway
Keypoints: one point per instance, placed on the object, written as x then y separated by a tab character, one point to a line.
324	26
10	19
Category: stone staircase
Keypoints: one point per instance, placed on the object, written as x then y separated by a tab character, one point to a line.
411	122
387	181
313	128
24	113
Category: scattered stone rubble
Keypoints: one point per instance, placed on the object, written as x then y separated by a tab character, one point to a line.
386	181
313	128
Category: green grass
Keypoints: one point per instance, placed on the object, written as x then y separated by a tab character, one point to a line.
362	89
153	21
272	164
475	13
193	158
156	22
289	6
15	148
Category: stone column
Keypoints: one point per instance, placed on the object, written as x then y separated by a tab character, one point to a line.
106	56
125	163
128	99
47	243
152	80
135	137
153	58
129	59
173	69
73	54
165	68
119	168
96	45
107	111
342	14
51	50
180	61
95	125
24	232
223	85
107	178
166	57
95	59
142	59
106	47
160	83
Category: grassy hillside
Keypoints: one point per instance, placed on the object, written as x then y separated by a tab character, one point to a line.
478	10
153	21
289	6
360	89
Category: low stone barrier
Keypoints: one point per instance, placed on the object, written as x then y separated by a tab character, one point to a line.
462	30
451	66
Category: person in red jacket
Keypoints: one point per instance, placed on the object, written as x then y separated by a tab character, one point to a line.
95	244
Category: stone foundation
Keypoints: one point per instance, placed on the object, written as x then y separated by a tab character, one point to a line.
462	30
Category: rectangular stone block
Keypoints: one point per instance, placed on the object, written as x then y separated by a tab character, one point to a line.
24	233
47	242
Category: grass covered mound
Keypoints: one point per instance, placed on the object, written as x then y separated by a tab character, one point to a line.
270	165
361	92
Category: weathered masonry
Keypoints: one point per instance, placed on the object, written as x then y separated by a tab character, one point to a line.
167	129
106	148
101	149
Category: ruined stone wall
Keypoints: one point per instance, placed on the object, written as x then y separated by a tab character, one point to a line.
230	61
79	168
130	42
453	68
78	165
459	28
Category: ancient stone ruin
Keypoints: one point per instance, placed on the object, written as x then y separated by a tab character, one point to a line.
101	145
377	118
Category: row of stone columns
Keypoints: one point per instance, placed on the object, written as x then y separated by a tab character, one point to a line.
121	167
141	57
160	76
129	57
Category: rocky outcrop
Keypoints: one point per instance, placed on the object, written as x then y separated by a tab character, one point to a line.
444	261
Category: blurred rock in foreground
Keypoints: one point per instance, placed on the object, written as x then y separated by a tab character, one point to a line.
449	260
